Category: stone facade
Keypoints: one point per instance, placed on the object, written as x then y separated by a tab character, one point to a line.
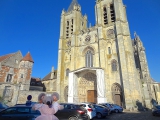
15	75
49	81
107	46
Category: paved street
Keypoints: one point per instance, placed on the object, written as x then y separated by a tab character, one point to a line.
131	116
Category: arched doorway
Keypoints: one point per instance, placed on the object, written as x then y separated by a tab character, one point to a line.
117	94
87	88
66	94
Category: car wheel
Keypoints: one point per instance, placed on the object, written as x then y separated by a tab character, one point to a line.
116	111
99	115
73	118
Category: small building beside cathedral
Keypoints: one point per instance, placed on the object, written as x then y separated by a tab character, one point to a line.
102	63
15	75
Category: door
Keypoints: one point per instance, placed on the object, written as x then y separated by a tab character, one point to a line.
92	96
118	99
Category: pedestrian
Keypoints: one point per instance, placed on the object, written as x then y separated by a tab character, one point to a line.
29	102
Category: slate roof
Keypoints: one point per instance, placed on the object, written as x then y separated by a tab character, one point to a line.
2	58
48	77
71	7
28	57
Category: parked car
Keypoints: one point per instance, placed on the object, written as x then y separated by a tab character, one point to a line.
101	111
109	106
19	113
32	103
72	112
117	108
23	112
3	106
91	111
156	110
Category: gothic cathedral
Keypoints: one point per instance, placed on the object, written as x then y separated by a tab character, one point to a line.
101	63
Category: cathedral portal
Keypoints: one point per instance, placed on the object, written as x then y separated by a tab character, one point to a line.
86	85
87	88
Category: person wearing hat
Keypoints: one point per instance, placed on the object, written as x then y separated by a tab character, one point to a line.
46	110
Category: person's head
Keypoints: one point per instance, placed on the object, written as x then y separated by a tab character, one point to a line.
29	97
48	101
55	96
41	97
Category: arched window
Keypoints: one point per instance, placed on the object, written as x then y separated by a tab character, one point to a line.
105	15
67	72
109	50
89	58
112	13
114	65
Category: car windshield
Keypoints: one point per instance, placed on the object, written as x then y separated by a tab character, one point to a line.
90	106
2	105
158	106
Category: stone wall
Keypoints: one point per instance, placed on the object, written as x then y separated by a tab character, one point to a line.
23	96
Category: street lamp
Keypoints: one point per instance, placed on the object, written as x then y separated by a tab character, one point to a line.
18	91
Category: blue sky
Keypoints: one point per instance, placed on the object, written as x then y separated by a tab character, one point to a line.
34	25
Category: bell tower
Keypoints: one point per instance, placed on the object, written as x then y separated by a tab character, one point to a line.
72	20
109	11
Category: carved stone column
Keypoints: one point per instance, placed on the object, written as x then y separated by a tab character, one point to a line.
101	97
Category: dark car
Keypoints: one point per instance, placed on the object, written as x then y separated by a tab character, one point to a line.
101	111
156	110
3	106
72	112
19	113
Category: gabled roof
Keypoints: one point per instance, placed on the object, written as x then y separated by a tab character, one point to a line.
2	58
28	57
48	77
71	7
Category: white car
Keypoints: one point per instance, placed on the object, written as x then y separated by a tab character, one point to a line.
91	111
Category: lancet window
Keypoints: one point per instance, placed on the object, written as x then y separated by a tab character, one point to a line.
67	72
105	15
67	29
114	65
89	58
112	12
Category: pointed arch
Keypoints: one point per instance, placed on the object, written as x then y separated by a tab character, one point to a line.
116	87
114	65
88	48
66	93
88	53
117	94
67	72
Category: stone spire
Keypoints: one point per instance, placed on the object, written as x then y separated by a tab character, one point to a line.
71	7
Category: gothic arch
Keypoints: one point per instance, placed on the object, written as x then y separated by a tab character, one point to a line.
86	83
114	65
66	93
117	93
88	48
116	87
